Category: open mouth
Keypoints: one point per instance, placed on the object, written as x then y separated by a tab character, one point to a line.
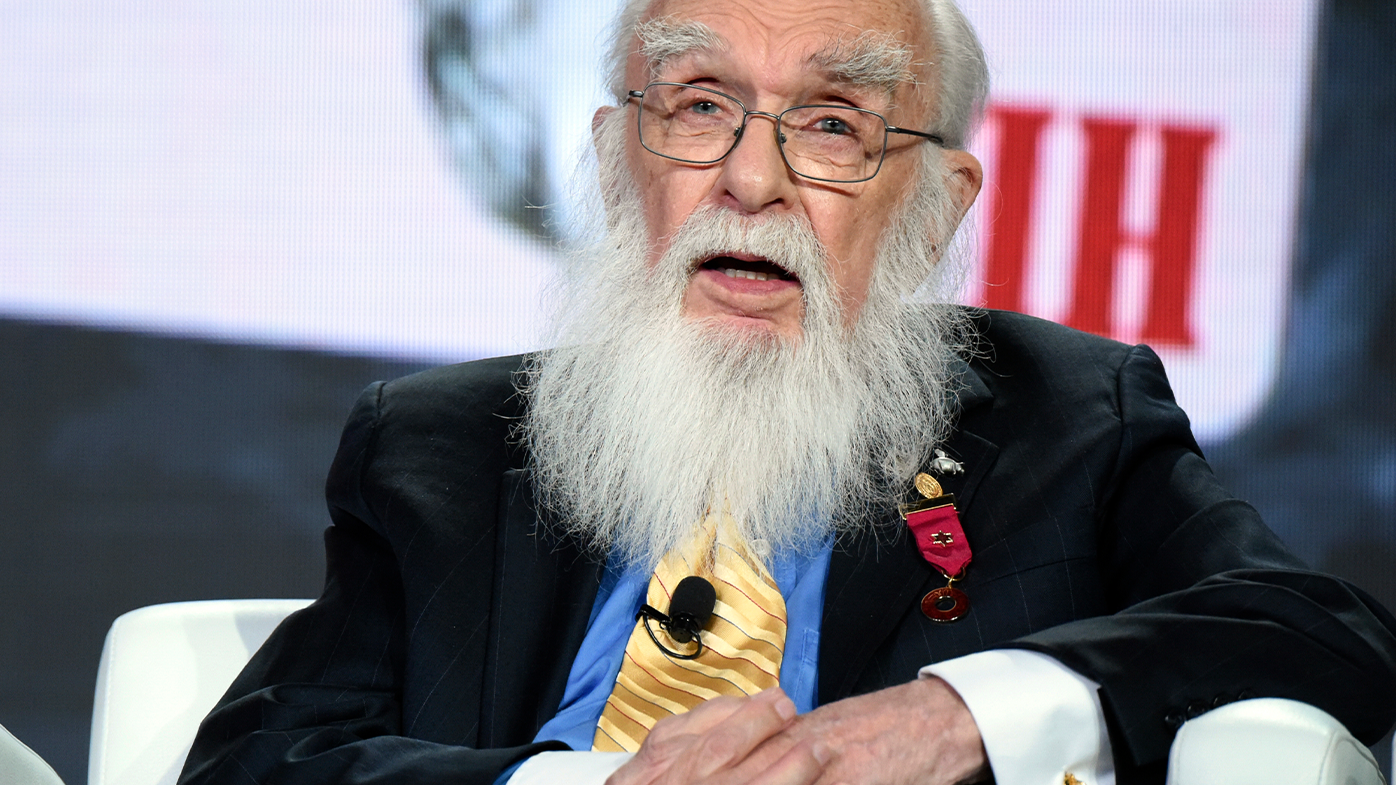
752	269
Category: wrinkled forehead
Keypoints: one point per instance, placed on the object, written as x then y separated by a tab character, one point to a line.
878	46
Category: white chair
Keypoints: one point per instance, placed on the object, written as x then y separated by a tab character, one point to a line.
20	765
163	668
1269	741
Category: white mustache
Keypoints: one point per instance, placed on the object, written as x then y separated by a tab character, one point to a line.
787	241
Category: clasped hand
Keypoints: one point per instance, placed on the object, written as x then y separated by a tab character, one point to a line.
918	732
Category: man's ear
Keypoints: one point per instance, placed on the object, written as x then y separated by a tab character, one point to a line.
597	119
965	179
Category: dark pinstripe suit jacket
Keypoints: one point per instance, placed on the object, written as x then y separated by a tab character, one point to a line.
449	622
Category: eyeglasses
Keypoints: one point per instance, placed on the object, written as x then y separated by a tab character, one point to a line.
834	144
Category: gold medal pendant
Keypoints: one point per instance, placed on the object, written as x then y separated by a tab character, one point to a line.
945	604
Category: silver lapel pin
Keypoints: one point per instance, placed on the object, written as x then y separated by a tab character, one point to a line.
944	464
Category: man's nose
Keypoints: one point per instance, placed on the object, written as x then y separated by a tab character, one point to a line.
754	175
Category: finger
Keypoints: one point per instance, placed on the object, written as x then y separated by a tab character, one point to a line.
700	719
731	741
672	740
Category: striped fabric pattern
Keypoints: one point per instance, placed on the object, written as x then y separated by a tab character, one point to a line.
742	644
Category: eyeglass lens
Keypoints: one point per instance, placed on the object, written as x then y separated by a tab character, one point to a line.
701	126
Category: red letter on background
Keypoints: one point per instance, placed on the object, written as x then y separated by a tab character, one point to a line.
1010	207
1172	247
1099	234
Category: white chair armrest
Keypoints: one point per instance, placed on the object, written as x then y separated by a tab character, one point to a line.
163	668
1269	741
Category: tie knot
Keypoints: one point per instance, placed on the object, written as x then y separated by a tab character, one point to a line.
719	538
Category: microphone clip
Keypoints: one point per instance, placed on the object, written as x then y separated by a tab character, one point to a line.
681	628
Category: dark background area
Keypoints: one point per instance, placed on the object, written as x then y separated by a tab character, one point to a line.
1320	459
137	469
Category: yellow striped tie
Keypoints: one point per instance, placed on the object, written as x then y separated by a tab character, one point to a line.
742	643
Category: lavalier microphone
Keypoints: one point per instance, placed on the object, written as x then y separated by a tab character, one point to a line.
690	607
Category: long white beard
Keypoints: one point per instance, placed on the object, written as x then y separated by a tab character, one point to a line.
641	420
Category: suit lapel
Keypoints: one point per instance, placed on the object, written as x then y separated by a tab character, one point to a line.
877	576
543	593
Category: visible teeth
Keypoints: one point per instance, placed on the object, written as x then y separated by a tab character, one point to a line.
750	275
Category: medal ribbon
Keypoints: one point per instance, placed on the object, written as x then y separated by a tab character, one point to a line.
935	523
940	537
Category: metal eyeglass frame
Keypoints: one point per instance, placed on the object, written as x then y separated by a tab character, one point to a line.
740	130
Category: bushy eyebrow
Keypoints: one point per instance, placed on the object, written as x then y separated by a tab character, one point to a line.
666	39
871	59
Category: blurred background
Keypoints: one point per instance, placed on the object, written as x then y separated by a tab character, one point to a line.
219	221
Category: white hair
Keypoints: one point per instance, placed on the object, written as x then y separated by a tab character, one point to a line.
962	73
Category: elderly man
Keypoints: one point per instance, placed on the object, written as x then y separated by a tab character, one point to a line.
942	544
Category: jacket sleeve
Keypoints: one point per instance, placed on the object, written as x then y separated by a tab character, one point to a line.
1209	605
323	701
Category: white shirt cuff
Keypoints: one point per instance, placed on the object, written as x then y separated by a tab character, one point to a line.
1039	720
574	768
